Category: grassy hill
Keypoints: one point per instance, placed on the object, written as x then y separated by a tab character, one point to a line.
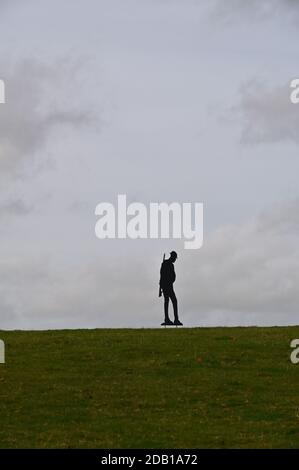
167	388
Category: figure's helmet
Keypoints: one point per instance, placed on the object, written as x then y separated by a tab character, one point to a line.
173	254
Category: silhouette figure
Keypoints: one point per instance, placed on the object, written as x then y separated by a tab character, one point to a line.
167	278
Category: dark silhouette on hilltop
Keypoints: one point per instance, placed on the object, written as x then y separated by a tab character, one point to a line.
167	278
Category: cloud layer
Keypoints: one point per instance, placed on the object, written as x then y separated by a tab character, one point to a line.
265	114
248	273
245	274
32	111
254	9
164	71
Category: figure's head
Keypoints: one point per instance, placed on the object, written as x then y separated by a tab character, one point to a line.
173	256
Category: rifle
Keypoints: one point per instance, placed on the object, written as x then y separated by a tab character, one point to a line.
160	289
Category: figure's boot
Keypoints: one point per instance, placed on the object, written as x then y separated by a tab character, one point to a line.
177	321
167	321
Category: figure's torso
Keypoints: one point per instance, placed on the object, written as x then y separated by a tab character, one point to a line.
167	273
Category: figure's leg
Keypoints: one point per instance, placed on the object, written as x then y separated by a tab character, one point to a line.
174	304
166	303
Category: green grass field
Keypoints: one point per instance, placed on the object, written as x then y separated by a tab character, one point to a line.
167	388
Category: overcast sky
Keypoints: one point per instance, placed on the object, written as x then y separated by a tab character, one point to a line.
162	100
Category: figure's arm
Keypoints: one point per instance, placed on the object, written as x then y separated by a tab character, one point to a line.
173	274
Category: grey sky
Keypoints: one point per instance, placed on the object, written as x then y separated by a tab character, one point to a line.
163	101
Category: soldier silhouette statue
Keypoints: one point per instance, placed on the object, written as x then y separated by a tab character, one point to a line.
167	278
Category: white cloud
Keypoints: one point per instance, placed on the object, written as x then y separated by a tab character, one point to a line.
265	114
248	273
39	97
14	207
253	9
